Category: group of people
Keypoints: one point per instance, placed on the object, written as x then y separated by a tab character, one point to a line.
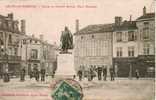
93	71
100	72
34	73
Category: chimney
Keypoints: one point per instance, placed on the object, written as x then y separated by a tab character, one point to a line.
77	25
11	16
41	37
118	20
130	18
144	10
23	26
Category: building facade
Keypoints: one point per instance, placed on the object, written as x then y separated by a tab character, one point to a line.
133	46
18	50
146	50
37	53
126	45
9	44
93	46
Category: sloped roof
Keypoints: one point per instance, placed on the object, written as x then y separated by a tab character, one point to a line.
98	28
147	15
126	25
27	37
1	16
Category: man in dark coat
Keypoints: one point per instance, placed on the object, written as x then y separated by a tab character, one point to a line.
80	75
31	74
92	73
36	74
99	70
112	74
22	74
104	73
43	72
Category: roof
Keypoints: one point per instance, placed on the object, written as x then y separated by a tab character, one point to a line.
126	25
1	16
98	28
146	16
27	37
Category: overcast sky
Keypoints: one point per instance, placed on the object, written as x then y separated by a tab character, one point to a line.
51	21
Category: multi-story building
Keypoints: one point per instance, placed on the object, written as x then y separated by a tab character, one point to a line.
146	50
133	45
93	46
18	50
38	53
125	46
9	43
50	57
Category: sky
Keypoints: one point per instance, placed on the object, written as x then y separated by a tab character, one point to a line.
51	21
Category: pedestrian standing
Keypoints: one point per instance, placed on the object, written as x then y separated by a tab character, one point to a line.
36	74
74	76
112	74
89	74
6	77
1	74
92	73
137	73
104	73
99	70
22	74
43	72
80	74
31	74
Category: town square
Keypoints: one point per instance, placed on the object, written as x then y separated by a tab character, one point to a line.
77	51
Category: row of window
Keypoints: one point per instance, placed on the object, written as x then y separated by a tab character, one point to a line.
30	41
132	36
119	51
131	51
104	36
34	54
93	48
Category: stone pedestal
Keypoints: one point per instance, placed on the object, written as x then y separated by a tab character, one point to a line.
65	65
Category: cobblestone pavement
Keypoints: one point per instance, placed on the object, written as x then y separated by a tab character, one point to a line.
120	89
